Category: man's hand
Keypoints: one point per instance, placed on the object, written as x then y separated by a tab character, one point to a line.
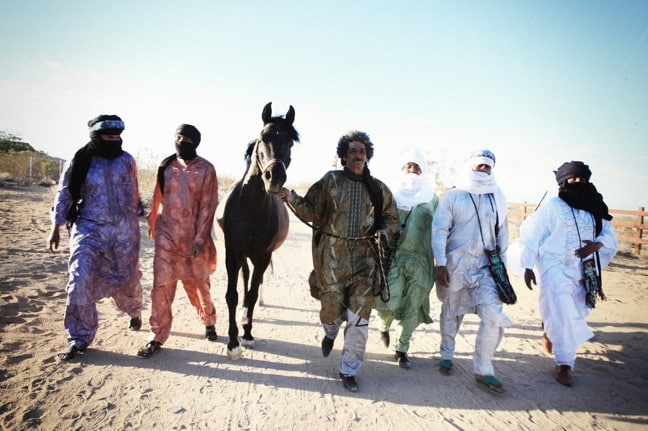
196	248
442	276
285	195
589	248
529	277
381	233
53	239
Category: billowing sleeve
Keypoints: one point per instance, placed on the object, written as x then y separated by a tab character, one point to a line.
390	214
136	190
609	241
310	207
441	225
208	204
156	207
63	199
503	232
533	232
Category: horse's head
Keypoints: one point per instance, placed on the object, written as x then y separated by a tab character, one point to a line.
271	152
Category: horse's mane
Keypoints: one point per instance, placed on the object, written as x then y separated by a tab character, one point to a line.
248	152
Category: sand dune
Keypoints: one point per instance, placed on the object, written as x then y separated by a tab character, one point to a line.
284	383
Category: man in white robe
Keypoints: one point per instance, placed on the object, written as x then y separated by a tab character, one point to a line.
470	218
568	231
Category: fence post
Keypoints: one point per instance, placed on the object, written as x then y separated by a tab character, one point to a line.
640	220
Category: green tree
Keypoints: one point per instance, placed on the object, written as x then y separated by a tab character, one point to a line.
12	143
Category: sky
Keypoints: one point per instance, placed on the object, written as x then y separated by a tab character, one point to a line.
537	82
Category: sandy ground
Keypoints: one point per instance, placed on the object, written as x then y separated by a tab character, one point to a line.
284	382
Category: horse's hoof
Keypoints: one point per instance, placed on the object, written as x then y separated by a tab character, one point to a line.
235	354
247	343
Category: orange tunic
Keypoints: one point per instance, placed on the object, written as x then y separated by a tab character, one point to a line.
180	222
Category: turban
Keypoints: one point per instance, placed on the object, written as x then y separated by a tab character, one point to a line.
413	156
572	169
105	125
482	157
190	132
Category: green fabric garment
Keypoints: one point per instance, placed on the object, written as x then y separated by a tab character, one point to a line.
411	275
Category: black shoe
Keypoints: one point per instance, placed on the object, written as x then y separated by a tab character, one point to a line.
564	375
135	324
210	333
384	336
327	346
349	382
403	360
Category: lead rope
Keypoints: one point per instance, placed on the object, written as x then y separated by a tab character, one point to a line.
347	238
382	246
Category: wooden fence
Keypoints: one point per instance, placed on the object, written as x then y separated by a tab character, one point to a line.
628	224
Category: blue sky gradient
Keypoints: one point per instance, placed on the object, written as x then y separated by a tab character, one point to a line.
538	82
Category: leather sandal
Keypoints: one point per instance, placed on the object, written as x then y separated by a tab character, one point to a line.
70	352
148	350
490	383
445	367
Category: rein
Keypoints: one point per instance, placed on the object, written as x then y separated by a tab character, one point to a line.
318	230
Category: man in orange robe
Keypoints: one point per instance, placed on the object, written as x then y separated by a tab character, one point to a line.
180	222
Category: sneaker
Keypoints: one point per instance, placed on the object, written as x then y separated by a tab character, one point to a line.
349	382
403	360
327	346
210	333
135	323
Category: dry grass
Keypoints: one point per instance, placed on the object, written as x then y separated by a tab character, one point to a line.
29	167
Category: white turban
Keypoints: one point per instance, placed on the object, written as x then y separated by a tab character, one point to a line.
412	189
414	156
481	157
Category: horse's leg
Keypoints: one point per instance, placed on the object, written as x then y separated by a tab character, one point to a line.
245	269
261	294
233	264
260	265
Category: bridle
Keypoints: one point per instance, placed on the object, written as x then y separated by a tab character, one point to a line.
268	164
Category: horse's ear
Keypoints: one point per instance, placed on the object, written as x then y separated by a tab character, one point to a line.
290	115
267	113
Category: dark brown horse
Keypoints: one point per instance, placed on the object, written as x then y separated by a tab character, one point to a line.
254	221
